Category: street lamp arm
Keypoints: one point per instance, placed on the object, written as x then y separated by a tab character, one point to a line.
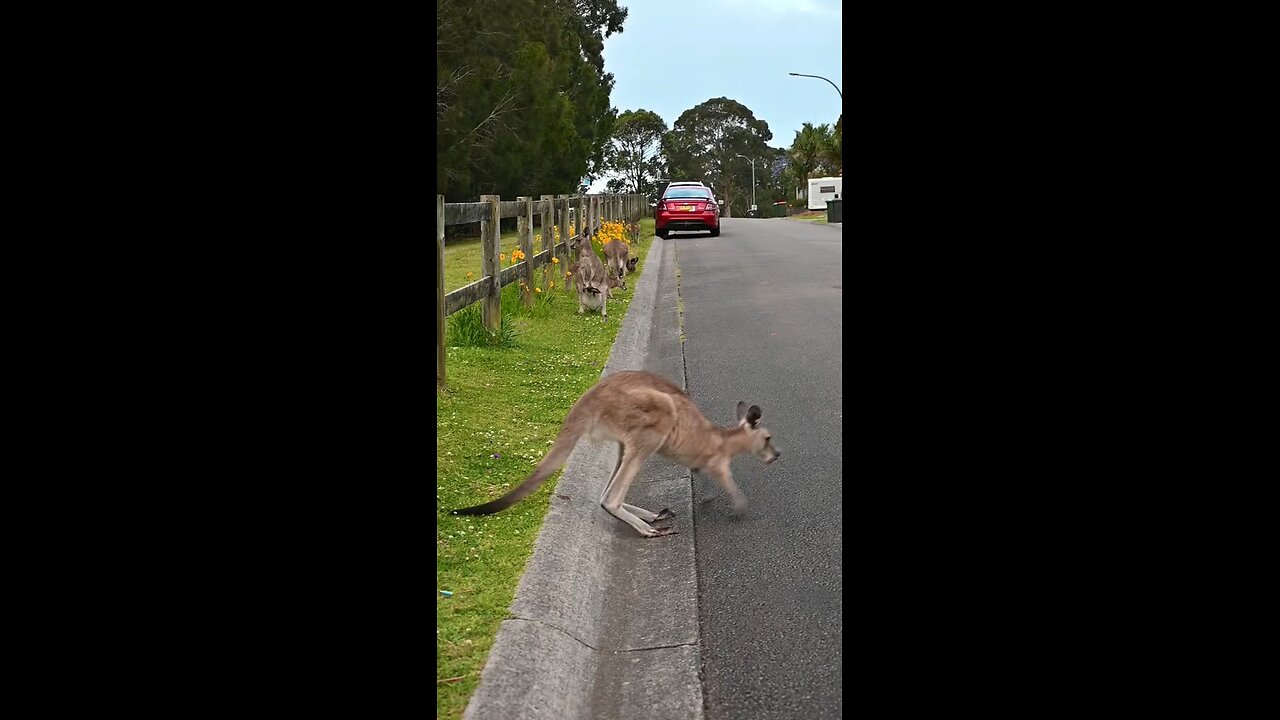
821	78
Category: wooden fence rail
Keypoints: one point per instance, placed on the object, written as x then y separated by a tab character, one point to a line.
552	211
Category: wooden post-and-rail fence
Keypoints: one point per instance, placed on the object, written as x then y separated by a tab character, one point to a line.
552	212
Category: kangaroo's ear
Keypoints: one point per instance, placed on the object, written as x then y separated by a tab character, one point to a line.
753	415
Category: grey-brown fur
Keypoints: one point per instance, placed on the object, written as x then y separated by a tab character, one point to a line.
617	258
590	277
645	414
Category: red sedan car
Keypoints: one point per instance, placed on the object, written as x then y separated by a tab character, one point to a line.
687	207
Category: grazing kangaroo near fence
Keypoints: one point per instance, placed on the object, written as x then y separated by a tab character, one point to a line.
645	414
591	277
633	234
616	254
613	282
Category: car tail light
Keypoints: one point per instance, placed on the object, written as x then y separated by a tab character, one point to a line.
662	205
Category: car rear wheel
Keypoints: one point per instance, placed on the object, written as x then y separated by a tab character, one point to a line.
715	232
661	233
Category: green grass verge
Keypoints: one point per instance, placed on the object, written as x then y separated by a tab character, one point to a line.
501	410
464	255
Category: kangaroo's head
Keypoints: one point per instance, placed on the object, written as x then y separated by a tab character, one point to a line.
580	240
631	264
761	440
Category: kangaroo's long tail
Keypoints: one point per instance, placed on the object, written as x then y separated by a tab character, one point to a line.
574	426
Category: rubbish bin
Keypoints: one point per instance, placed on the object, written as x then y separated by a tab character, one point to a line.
835	211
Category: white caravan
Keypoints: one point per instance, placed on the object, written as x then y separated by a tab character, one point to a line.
823	189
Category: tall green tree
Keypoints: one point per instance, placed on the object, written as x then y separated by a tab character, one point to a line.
832	160
633	154
522	98
704	144
807	153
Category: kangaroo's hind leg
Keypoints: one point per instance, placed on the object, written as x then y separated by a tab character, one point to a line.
649	515
630	461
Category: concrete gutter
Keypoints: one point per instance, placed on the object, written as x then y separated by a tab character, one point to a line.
605	622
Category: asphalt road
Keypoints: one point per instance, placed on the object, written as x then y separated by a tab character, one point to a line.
763	323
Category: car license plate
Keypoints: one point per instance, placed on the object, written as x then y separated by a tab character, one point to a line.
687	208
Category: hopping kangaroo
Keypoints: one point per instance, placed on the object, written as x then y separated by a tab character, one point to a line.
615	256
645	414
590	278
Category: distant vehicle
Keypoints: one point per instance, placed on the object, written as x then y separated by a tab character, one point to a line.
662	187
823	189
687	206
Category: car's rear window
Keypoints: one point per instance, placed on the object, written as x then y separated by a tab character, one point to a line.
688	192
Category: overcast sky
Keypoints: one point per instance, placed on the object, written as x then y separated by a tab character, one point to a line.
674	54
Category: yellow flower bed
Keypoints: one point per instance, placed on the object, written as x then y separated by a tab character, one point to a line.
609	232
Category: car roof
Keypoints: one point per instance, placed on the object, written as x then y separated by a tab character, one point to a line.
697	190
676	184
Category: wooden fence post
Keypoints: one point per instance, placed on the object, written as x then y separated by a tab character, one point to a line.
548	239
491	241
524	235
563	254
583	205
593	212
581	218
439	292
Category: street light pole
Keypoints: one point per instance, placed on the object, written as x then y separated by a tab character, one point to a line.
753	179
821	78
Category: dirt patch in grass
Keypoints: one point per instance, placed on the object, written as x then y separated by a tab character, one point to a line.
814	216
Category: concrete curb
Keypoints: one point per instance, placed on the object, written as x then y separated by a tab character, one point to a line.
604	621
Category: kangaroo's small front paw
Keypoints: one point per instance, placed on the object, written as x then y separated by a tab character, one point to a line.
663	514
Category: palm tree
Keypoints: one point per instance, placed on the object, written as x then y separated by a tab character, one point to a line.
807	152
831	150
